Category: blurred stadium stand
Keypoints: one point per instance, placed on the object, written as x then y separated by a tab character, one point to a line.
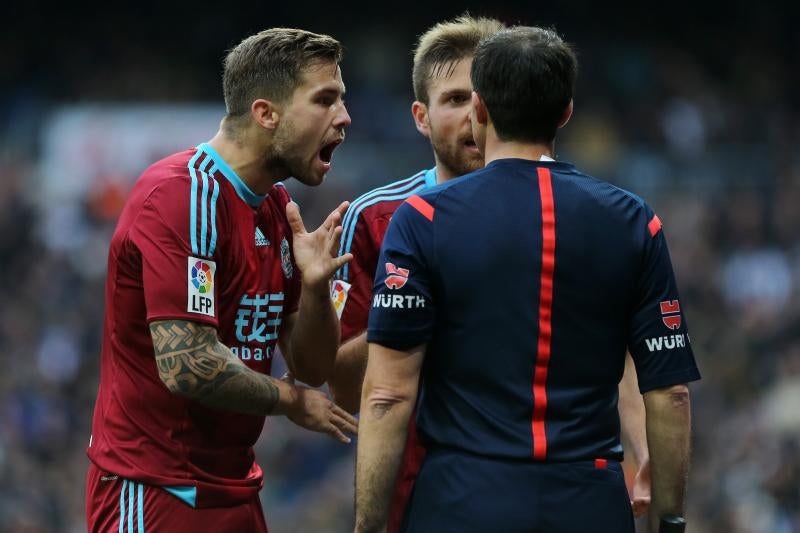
694	106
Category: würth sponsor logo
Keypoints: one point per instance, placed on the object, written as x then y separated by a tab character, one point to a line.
396	276
667	342
397	301
671	313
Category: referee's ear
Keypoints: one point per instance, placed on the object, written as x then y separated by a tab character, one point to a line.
480	113
566	116
265	113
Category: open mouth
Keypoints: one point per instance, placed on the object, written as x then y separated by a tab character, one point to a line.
470	144
326	153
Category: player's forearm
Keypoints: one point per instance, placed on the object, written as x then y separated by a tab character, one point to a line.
382	434
315	336
348	373
668	435
192	363
632	414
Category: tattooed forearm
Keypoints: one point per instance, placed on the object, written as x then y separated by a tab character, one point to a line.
193	363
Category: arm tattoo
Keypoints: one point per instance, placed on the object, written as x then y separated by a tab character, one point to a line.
193	363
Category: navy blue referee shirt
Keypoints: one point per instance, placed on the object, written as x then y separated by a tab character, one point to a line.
528	280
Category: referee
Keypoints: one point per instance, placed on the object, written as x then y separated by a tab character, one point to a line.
515	291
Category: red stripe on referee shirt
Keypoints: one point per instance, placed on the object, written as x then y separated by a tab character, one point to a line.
654	225
422	206
545	313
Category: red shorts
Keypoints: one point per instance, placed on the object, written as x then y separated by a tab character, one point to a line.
119	505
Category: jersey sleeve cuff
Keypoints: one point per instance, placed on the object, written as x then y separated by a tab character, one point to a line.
210	321
398	340
667	380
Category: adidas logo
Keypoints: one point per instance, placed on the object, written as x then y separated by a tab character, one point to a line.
261	240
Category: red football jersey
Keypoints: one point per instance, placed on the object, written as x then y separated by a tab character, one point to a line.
193	243
364	227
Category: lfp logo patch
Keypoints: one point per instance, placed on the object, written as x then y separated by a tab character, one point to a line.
396	277
339	291
201	286
671	313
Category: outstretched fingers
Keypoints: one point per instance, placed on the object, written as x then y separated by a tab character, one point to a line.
295	220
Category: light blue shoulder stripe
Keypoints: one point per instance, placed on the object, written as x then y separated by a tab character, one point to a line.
130	506
390	188
140	495
351	216
214	195
193	203
122	506
351	233
203	207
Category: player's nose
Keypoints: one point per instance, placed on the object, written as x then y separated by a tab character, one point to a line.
342	119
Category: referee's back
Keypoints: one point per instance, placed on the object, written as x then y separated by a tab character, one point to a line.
535	279
526	282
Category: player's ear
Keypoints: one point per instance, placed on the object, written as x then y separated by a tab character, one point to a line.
566	116
420	113
266	113
479	111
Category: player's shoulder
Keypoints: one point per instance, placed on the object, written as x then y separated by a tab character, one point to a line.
166	181
385	199
603	192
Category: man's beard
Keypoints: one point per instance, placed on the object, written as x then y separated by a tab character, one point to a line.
283	159
455	158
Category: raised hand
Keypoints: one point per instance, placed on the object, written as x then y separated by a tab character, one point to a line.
316	253
315	411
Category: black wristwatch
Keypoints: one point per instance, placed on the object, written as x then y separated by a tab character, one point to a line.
671	524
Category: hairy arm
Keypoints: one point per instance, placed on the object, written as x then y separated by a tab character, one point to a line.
631	413
312	336
668	435
348	373
193	363
387	401
632	420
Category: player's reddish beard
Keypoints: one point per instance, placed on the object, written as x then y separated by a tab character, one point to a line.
456	155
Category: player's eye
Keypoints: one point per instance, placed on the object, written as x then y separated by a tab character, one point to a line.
457	99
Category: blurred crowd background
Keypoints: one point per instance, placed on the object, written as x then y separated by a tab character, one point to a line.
694	106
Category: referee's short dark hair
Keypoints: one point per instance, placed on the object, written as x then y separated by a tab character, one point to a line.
525	76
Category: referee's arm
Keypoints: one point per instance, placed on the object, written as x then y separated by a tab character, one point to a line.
387	401
668	434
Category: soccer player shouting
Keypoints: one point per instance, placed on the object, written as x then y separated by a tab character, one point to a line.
442	87
210	268
518	288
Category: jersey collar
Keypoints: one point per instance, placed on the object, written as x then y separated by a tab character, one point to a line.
241	187
430	177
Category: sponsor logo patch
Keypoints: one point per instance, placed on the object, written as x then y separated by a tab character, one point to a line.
396	277
200	286
671	313
667	342
286	259
398	301
339	291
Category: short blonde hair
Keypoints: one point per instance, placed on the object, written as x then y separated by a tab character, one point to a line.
442	46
